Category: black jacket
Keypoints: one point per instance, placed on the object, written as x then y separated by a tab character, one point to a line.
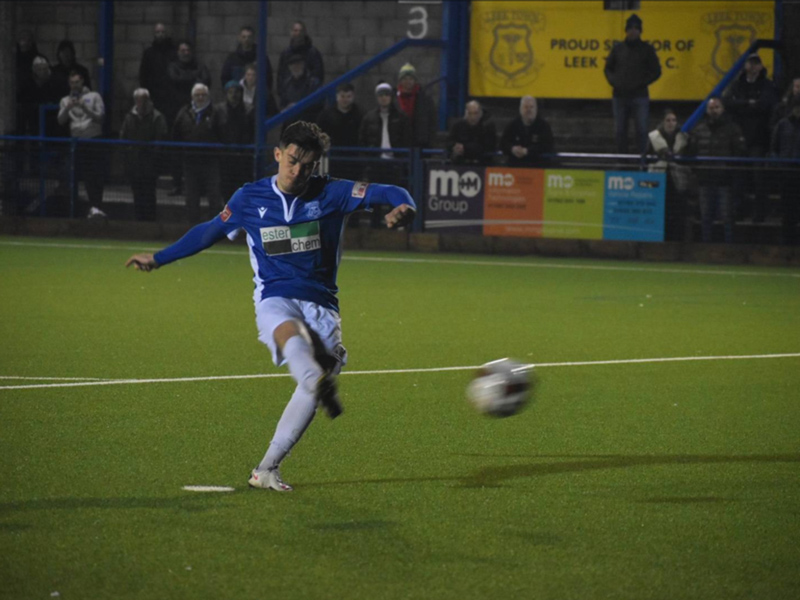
722	137
153	75
233	69
305	48
424	121
751	106
61	71
234	125
341	127
183	76
478	140
536	137
631	67
786	139
371	130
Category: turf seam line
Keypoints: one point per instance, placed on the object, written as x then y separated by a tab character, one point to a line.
479	263
403	371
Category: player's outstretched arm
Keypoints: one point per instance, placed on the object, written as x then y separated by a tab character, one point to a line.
142	262
400	216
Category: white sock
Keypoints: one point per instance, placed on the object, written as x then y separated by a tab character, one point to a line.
299	353
296	417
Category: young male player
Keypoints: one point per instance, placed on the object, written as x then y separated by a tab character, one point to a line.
294	224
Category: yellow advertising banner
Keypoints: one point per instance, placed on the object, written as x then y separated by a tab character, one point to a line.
558	49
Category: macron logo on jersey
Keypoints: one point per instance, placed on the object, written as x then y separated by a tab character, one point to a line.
262	211
289	239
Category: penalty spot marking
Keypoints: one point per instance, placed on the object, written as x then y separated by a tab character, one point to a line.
208	488
586	363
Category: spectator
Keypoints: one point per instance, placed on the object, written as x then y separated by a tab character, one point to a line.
341	121
144	123
245	54
85	112
249	88
716	135
417	105
630	68
785	105
234	124
66	64
154	75
195	124
472	138
528	137
184	73
786	144
26	53
299	85
667	141
750	101
384	127
40	89
300	45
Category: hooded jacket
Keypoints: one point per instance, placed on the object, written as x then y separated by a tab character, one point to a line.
312	56
61	71
751	105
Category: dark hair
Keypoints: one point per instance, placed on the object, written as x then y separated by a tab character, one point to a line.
306	136
250	66
247	28
668	111
186	42
345	87
75	72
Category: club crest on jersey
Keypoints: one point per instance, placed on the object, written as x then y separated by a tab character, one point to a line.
289	239
262	211
225	214
360	189
313	210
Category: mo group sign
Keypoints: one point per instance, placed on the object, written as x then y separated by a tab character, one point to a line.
557	49
552	203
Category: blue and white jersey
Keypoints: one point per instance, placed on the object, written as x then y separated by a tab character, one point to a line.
295	242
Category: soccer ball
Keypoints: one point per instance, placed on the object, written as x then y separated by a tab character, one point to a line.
501	388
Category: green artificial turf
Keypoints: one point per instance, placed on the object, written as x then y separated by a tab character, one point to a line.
629	480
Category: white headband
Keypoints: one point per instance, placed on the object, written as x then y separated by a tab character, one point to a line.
383	86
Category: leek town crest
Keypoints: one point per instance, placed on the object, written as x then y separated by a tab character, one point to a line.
511	52
732	42
734	31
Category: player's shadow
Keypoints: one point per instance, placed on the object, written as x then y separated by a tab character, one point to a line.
547	465
193	503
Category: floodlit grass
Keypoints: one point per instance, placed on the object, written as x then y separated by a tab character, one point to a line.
631	480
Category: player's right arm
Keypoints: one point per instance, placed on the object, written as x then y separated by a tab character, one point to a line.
197	239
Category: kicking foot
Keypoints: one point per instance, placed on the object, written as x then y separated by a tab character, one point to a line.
268	480
328	396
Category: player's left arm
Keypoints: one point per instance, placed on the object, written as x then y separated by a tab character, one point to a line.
404	209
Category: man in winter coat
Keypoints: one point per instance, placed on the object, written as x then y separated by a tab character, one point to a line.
786	144
195	123
144	123
417	105
750	101
66	64
234	124
300	44
341	121
630	68
246	53
154	75
473	138
527	137
716	135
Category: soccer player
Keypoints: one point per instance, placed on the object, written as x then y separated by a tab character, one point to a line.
294	223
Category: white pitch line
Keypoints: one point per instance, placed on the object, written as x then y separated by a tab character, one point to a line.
51	378
467	262
208	488
630	361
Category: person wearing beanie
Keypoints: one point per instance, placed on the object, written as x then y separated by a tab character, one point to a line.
631	66
750	101
786	144
66	64
234	124
417	106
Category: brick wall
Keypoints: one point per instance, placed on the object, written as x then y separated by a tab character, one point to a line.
347	33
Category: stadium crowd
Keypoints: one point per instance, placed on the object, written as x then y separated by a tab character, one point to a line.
173	102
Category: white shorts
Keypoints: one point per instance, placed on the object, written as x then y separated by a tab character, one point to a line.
326	322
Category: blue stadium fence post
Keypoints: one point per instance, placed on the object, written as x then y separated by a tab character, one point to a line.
42	159
73	183
106	71
417	185
261	93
